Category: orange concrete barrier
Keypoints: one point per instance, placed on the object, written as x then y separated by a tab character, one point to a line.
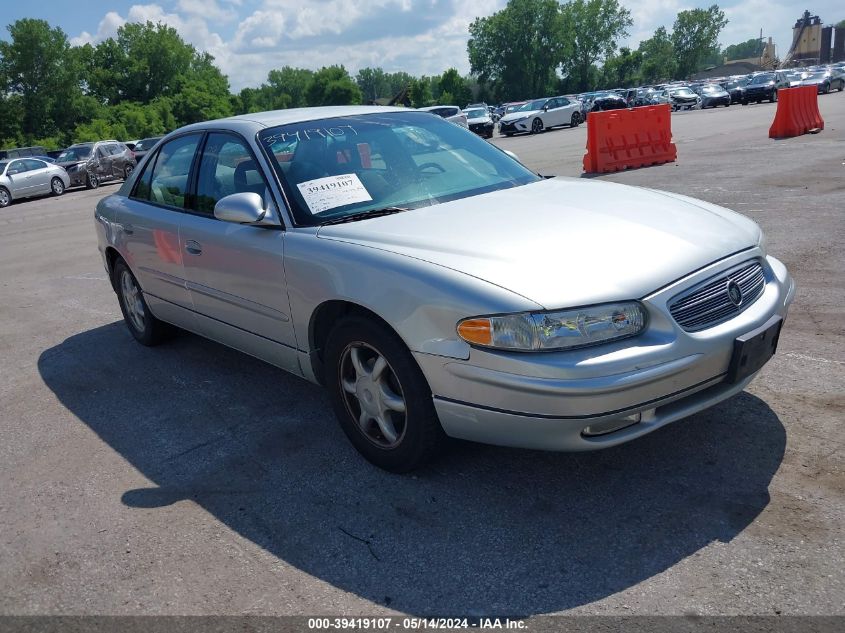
622	139
797	113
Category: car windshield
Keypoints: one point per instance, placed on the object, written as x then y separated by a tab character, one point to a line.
476	114
684	92
763	79
537	104
820	75
331	168
512	108
711	89
75	153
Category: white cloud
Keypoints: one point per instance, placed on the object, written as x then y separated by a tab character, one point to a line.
107	28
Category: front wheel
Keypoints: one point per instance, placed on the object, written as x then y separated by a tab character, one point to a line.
536	126
144	327
774	97
57	186
380	396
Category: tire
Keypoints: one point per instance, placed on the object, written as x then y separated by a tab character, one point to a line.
5	198
57	187
127	171
536	126
144	327
388	437
92	181
827	89
774	97
576	120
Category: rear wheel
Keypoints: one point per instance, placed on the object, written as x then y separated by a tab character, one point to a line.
380	396
536	126
57	186
774	96
92	181
5	198
127	171
576	120
144	327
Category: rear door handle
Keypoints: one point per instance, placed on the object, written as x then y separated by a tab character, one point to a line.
193	247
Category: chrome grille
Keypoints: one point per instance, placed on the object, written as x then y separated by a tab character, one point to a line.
708	304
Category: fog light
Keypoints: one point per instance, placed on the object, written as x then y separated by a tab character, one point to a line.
610	426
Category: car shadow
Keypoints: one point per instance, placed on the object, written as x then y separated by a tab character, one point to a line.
483	531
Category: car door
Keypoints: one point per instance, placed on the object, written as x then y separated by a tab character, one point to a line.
565	110
147	230
39	175
235	272
102	162
19	178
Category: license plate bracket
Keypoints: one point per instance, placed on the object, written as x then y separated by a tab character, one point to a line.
754	349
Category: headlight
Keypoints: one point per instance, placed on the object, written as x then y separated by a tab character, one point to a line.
563	329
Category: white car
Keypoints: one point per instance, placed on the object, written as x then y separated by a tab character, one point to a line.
540	114
453	114
28	177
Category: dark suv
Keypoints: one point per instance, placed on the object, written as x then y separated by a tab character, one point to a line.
90	164
22	152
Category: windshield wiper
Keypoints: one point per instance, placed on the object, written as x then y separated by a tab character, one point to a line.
363	215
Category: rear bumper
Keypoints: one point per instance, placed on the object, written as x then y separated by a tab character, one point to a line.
545	401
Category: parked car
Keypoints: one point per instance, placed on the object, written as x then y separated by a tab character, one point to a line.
452	114
480	121
89	164
713	96
607	101
683	98
363	248
788	78
22	152
735	88
28	177
761	88
145	145
541	114
825	81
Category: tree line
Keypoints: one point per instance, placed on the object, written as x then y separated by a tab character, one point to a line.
147	80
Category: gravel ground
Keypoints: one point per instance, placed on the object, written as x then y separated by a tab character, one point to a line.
191	479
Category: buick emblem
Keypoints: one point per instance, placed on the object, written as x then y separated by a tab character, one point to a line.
734	293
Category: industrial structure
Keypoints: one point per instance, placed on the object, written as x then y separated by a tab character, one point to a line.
814	43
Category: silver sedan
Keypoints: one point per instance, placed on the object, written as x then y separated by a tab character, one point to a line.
436	286
28	177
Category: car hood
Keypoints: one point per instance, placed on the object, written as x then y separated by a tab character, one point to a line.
812	81
563	241
764	86
515	116
70	163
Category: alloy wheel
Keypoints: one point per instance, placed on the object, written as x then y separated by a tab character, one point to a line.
5	200
536	126
373	395
58	187
132	300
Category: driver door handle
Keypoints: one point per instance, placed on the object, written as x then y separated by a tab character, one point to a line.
193	247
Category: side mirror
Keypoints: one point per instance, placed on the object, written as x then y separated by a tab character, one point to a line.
512	155
545	108
240	208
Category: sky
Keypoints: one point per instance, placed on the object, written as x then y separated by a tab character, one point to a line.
248	38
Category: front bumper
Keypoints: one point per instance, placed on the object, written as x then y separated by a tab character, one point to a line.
482	129
515	127
545	401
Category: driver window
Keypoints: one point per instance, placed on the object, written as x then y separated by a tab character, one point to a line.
226	167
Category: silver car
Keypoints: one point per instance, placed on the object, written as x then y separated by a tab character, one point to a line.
452	114
28	177
436	286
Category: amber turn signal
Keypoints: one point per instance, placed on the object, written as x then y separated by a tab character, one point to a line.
478	331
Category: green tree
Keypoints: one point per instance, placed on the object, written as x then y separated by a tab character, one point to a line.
744	50
517	50
332	85
421	93
658	54
622	69
452	83
38	78
596	25
397	82
288	87
695	34
373	83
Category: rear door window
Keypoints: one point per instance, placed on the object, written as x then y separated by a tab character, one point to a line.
165	180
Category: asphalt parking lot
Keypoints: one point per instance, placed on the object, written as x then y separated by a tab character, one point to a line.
191	479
